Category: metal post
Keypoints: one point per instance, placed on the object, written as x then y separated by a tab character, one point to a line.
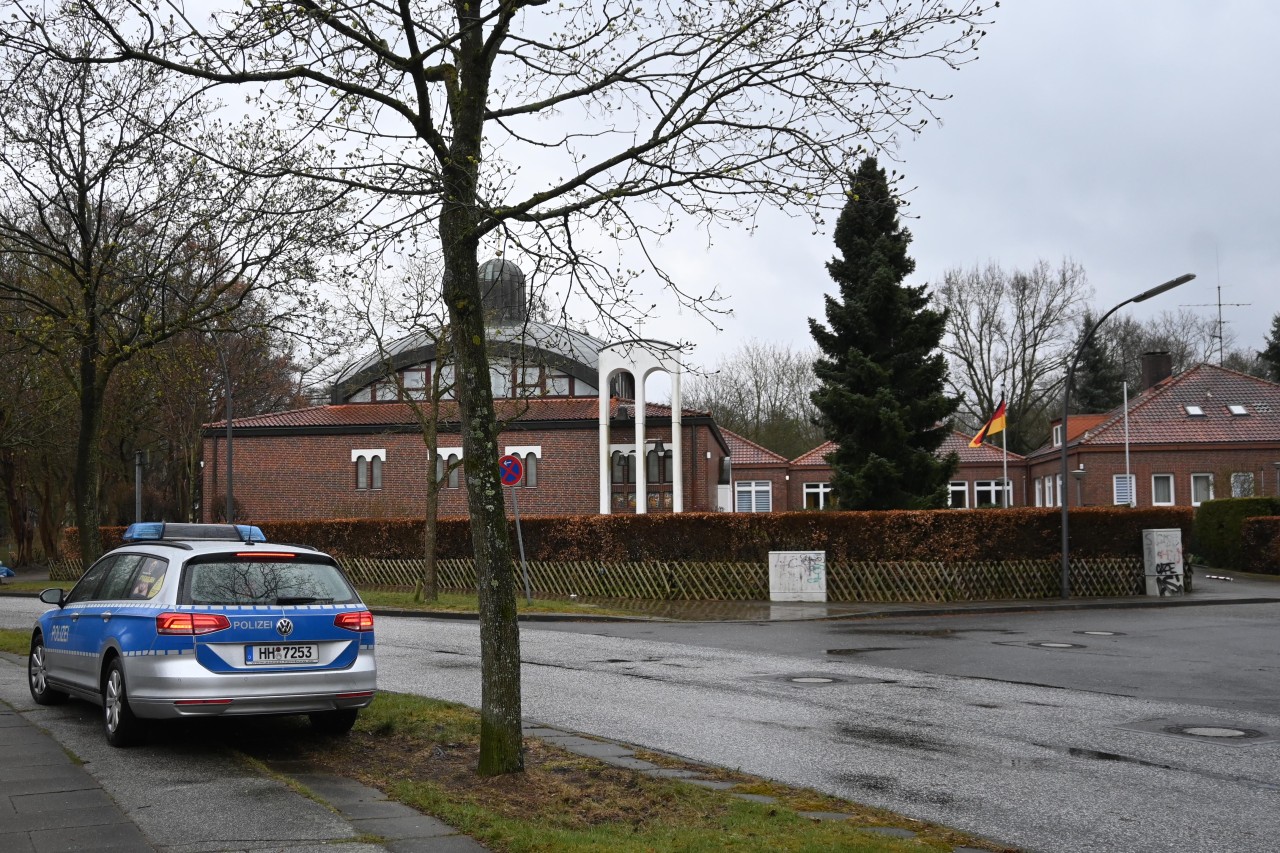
137	486
1066	409
524	566
230	510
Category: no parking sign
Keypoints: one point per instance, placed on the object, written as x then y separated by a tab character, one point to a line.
510	470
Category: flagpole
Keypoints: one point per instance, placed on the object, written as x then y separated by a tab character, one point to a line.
1004	445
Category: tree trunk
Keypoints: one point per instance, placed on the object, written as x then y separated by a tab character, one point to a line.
84	479
16	503
428	588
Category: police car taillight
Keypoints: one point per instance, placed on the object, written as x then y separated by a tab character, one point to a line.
355	620
191	623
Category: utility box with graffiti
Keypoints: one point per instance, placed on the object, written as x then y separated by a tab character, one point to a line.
1162	561
797	575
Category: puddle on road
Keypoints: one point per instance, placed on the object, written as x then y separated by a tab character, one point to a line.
936	633
890	737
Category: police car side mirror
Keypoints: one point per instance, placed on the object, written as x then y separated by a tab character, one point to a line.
52	596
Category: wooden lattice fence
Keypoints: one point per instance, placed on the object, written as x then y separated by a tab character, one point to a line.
656	580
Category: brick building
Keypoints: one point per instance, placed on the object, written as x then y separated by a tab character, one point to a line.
1208	432
572	407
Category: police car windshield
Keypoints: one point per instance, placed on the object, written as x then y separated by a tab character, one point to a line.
232	582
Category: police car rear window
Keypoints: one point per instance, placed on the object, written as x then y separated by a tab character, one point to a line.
259	582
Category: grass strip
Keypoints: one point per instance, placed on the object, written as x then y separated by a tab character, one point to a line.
15	642
423	753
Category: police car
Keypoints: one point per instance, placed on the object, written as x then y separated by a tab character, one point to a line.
200	620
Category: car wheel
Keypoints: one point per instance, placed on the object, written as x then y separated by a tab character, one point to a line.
334	722
118	721
38	676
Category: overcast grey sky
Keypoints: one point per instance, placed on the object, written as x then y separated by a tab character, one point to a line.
1137	138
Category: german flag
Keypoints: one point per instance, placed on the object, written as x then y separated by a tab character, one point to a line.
993	426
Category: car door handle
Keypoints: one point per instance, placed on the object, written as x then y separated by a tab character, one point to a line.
75	617
106	617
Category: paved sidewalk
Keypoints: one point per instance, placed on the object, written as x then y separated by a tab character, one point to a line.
48	802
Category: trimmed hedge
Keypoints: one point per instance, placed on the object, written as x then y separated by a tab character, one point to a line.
1219	525
932	535
1260	544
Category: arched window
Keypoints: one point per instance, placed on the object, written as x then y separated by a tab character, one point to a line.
448	463
362	473
619	468
368	464
375	472
530	470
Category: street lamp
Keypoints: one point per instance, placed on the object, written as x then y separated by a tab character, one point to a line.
1066	406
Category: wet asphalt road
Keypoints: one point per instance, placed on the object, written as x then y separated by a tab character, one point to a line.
954	719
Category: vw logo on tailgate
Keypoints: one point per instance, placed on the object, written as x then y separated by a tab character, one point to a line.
284	627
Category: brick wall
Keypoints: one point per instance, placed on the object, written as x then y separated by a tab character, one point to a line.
312	476
1100	464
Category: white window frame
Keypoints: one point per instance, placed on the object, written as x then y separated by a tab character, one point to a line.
445	457
529	455
961	488
1239	481
1057	435
367	470
1118	482
991	488
1039	495
1201	476
821	489
758	494
1173	497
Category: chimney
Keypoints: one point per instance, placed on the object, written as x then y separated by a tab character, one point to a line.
1156	368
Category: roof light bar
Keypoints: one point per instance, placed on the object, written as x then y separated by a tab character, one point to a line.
150	531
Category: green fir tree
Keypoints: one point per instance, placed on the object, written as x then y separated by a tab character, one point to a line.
880	372
1098	383
1271	355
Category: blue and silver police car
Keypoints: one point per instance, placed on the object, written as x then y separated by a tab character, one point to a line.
190	620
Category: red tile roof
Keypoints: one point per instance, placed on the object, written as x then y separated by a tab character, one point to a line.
817	456
956	442
400	414
1159	415
745	452
988	452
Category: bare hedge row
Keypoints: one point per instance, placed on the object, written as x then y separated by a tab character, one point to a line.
937	535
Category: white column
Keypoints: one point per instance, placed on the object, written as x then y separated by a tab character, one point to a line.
677	441
642	469
606	504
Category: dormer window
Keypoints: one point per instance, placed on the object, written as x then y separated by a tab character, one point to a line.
1194	411
1057	435
1237	410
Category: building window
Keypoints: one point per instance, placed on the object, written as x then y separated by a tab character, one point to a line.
1057	492
753	496
1194	411
1242	485
987	493
368	464
1162	490
528	457
1237	410
448	463
623	468
726	472
1122	488
658	466
1039	495
958	494
817	495
1057	435
1201	488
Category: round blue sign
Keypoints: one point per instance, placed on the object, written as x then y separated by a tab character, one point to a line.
510	470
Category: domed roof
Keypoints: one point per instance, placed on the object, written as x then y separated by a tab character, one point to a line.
533	342
503	290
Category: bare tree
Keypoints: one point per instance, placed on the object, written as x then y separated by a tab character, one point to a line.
1010	333
762	391
123	234
1188	337
543	123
